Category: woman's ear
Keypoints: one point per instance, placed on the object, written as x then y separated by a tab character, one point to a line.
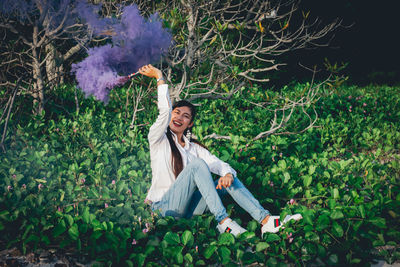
191	125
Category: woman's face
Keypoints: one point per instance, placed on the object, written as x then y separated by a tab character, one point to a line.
180	119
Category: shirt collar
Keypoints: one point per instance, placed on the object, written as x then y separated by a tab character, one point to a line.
187	142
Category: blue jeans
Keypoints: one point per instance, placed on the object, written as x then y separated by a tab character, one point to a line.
194	191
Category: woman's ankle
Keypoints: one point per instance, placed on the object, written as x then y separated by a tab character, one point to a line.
265	220
223	220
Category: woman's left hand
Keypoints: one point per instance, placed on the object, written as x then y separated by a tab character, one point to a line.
225	181
150	71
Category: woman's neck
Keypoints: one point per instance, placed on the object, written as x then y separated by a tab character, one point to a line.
179	138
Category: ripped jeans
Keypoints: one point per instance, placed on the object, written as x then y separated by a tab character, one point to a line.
194	191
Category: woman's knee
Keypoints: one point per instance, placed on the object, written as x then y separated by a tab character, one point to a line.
237	183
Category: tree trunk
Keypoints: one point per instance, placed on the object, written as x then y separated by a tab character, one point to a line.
51	65
38	85
38	88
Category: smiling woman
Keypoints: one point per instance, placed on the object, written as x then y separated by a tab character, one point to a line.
182	185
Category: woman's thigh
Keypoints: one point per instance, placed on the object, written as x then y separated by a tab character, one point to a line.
176	200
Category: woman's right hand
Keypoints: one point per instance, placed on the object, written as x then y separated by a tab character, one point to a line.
150	71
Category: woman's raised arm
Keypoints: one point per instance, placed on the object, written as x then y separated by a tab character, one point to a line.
158	129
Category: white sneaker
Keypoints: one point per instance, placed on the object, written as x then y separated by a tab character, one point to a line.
274	224
230	226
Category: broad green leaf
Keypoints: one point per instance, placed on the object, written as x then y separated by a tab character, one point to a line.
308	193
252	226
74	232
225	254
187	238
27	230
378	222
172	238
310	248
79	245
262	246
136	189
335	193
333	259
62	195
139	258
322	222
308	217
292	256
331	203
83	228
226	239
223	85
273	237
96	235
162	222
209	251
312	236
149	249
31	238
111	238
361	209
45	239
307	179
86	215
272	262
94	192
200	263
120	186
321	251
188	258
69	219
337	214
247	235
59	229
337	230
104	226
287	177
179	257
225	155
282	164
4	215
110	226
311	170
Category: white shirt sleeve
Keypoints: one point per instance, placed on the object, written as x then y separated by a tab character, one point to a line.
158	129
216	165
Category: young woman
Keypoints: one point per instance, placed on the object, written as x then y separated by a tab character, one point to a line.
182	185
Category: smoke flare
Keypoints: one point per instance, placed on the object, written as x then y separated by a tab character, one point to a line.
135	42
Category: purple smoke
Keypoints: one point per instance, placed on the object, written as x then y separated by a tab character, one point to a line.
135	42
56	12
89	12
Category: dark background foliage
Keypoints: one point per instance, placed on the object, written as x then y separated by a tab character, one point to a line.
369	45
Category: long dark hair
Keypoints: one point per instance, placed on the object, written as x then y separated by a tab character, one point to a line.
176	159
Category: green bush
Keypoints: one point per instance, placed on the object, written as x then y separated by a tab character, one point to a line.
79	181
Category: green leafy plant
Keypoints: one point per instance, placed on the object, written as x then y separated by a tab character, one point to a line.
78	182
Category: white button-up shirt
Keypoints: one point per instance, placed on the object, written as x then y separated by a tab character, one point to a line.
160	151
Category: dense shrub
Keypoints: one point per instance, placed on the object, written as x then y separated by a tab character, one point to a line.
79	182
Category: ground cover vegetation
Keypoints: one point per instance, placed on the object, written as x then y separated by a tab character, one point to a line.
77	181
75	172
